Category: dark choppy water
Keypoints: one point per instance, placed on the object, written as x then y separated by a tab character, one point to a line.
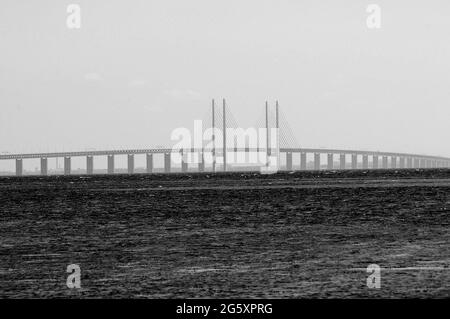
231	235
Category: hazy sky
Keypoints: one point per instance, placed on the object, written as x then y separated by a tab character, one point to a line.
136	70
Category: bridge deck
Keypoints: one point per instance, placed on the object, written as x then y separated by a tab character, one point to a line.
165	150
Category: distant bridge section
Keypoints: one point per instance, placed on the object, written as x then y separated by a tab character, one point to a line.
336	159
222	118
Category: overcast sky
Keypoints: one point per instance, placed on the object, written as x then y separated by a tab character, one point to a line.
136	70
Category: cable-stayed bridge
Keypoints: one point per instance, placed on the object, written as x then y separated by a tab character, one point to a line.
286	148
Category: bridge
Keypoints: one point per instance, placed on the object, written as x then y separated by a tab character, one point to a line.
346	159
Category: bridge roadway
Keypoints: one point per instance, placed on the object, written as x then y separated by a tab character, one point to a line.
397	160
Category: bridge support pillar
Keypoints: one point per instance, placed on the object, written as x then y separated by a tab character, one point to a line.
365	162
289	161
184	162
44	166
316	161
393	162
354	161
330	161
149	158
303	161
19	167
416	163
423	163
67	165
409	162
201	163
374	161
89	165
385	162
342	161
402	162
110	164
167	163
184	166
130	163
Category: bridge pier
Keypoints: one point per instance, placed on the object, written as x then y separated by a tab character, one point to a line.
44	166
375	161
303	161
402	162
316	161
416	163
167	161
289	161
184	162
149	158
184	166
110	164
393	162
130	163
330	161
341	161
385	162
67	165
89	165
365	162
201	163
354	161
423	163
409	162
19	167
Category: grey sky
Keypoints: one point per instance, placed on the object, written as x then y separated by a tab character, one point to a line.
138	69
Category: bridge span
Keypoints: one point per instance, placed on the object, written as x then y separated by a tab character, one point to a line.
335	159
345	159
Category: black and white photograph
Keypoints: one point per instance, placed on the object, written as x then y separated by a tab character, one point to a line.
224	155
